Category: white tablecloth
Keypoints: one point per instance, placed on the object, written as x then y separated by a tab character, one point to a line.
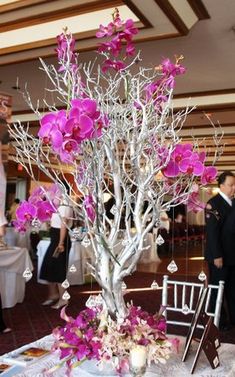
78	257
13	262
173	367
14	238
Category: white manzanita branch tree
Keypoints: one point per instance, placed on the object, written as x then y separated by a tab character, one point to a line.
115	133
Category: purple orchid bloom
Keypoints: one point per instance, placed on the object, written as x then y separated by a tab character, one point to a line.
171	170
208	175
105	31
37	195
129	30
26	212
45	210
51	124
19	226
54	194
89	206
172	69
194	203
191	165
79	127
65	46
117	65
181	151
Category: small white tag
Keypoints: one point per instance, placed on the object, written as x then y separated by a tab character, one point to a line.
216	361
217	343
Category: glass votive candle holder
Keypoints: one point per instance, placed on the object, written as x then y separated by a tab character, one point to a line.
137	361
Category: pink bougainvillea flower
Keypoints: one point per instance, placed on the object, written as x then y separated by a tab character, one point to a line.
45	210
26	212
89	206
208	175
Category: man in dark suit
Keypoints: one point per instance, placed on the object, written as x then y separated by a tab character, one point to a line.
228	244
217	212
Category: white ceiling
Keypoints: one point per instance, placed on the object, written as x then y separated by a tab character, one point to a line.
208	49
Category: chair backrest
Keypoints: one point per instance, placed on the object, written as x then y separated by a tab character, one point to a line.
184	299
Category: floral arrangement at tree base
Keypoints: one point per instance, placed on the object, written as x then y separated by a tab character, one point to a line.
94	335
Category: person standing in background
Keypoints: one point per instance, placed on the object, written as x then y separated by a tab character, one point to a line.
228	243
55	262
12	211
217	211
3	221
3	328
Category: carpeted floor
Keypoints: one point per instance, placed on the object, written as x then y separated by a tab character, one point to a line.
30	320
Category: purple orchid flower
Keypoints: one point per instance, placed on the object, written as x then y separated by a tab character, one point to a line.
117	65
194	203
89	206
45	210
51	124
19	226
191	165
26	212
208	175
105	31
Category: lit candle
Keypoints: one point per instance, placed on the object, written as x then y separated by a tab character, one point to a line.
138	356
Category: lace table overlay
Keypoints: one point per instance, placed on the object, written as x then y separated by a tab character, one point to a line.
174	366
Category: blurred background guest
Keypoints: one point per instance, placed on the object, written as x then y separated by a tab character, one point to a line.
11	213
55	262
3	328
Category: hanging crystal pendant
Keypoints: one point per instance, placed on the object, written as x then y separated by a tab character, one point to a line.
125	242
66	295
72	269
86	241
202	276
35	223
90	303
185	309
172	267
113	210
124	286
76	234
154	285
159	241
27	274
65	284
99	300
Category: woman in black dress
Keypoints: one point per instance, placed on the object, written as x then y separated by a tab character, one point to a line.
55	262
3	328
